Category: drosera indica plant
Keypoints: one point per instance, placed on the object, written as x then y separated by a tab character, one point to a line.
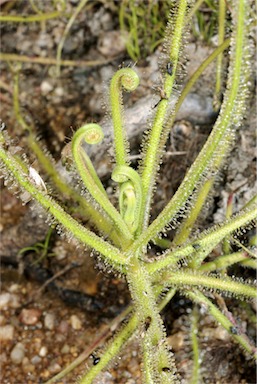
123	234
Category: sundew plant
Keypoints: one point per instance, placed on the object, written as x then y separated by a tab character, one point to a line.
123	232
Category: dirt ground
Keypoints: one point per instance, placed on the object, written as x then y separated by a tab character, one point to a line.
54	308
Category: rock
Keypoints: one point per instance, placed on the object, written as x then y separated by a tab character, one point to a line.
9	300
30	316
111	44
75	322
3	358
18	353
6	332
55	368
221	334
63	326
218	333
14	288
59	91
44	40
49	321
60	251
46	87
43	351
71	44
27	367
36	360
177	341
65	349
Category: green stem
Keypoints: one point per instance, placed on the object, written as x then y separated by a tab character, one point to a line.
226	248
92	134
34	7
221	33
224	262
32	18
251	202
111	351
194	78
128	79
205	242
50	60
88	210
79	8
157	360
189	278
199	298
193	10
230	115
100	339
249	263
248	251
120	340
153	150
187	225
195	379
87	237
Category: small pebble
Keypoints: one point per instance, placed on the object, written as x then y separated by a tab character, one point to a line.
35	360
221	334
111	43
60	251
59	91
6	332
63	326
75	322
46	87
54	368
218	333
43	351
65	349
30	316
14	288
74	351
28	368
49	321
25	361
3	358
176	341
9	300
18	353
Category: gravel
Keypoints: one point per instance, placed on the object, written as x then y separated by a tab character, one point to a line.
75	322
49	321
9	300
6	332
18	353
30	316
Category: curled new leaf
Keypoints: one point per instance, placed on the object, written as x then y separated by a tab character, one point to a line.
92	133
130	197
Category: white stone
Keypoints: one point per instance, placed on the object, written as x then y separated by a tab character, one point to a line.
43	351
6	332
9	300
46	87
18	353
49	321
75	322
